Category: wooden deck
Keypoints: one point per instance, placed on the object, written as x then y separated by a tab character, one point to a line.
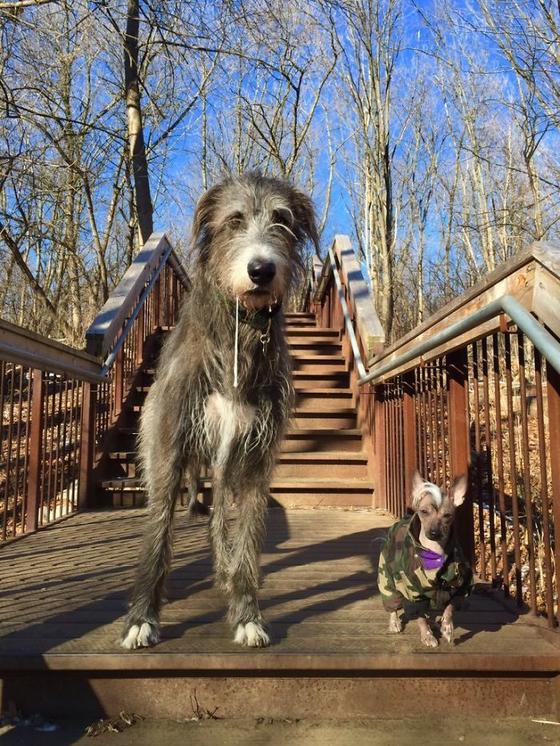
63	596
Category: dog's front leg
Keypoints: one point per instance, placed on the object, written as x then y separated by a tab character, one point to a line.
426	635
163	468
142	620
447	628
244	573
219	530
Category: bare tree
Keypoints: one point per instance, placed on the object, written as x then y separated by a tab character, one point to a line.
369	37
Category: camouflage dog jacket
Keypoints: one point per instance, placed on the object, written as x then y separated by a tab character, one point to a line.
403	581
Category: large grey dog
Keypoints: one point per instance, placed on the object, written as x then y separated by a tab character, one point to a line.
222	393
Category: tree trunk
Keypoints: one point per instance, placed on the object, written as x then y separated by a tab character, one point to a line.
136	144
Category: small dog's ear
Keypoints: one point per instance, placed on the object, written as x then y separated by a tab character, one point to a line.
305	226
458	490
201	232
417	488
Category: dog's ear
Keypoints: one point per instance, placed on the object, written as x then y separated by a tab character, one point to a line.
417	488
305	225
202	219
458	490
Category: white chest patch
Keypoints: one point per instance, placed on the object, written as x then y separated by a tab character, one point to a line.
225	421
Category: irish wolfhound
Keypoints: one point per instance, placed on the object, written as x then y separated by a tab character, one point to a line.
222	393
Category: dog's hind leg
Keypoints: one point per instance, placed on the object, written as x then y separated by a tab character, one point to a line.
162	458
195	507
244	572
395	623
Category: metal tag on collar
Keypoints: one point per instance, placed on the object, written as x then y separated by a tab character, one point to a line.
265	336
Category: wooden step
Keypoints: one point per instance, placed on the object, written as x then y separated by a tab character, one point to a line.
304	345
304	465
323	399
313	492
288	492
320	419
295	441
298	332
303	324
321	465
306	397
304	418
313	379
321	440
300	318
305	363
318	363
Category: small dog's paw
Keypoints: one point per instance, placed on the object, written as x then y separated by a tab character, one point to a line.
252	635
395	624
428	639
140	636
447	631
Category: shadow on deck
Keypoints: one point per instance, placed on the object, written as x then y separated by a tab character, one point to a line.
63	596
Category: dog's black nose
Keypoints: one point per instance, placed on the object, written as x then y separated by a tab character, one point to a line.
434	535
261	272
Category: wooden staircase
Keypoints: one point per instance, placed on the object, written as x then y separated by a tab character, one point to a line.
322	461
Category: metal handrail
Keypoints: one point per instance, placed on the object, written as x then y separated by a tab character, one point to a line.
542	339
27	348
150	260
347	318
24	347
112	356
539	336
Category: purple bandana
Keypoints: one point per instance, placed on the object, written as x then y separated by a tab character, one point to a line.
431	560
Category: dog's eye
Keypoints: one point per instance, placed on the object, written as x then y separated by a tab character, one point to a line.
424	511
283	217
447	515
235	219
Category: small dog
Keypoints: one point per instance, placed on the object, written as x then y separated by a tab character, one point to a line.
222	393
422	567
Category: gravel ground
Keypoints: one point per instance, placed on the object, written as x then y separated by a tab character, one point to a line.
432	731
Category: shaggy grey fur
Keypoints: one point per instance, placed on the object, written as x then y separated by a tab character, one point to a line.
194	417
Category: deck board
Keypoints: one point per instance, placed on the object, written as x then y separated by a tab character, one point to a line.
63	595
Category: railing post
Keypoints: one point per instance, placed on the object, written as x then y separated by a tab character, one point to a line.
35	451
119	382
459	441
409	434
87	445
553	396
157	303
379	441
140	333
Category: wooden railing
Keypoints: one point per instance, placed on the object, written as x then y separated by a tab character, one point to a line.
485	401
60	404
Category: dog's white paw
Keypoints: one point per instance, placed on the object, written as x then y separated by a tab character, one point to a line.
140	636
251	635
428	639
447	631
395	623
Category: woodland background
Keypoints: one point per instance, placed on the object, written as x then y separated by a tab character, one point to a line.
427	130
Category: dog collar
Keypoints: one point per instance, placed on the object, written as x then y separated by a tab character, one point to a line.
431	560
260	319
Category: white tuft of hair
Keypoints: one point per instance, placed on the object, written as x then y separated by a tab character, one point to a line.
420	488
434	491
